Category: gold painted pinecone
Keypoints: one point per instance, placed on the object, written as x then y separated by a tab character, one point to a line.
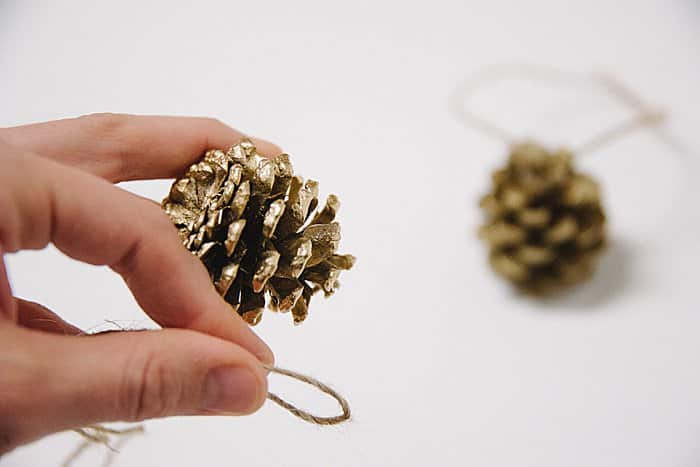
254	225
545	225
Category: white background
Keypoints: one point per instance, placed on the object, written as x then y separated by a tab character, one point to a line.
443	364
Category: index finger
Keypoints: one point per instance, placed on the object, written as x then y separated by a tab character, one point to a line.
120	147
95	222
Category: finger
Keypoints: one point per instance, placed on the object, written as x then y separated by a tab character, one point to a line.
8	309
98	223
35	316
121	147
52	383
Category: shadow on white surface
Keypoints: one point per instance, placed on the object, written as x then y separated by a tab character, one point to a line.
612	278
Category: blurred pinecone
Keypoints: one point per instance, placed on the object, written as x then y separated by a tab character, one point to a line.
253	224
545	225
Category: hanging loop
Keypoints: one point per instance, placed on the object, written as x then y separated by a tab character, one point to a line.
304	415
645	116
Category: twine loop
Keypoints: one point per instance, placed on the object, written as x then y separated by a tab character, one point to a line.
646	116
302	414
100	434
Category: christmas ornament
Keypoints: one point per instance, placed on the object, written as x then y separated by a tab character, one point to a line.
545	225
544	221
255	226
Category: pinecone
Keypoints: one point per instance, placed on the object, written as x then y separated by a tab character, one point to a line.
545	224
253	224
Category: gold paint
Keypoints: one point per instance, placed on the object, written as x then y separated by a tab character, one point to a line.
544	222
284	293
297	252
254	225
228	275
272	217
327	214
267	265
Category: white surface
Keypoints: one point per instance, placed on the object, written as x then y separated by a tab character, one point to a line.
443	365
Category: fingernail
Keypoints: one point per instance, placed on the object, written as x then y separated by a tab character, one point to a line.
265	355
261	350
231	389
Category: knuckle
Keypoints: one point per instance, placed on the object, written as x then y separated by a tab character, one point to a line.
19	196
211	125
153	228
152	216
112	128
211	121
105	123
150	389
160	219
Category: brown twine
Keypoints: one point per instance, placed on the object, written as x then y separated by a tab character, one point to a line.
646	116
304	415
99	434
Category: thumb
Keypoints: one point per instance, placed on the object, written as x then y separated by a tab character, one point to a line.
50	383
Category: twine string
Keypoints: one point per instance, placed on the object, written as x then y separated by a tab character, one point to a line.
645	115
304	415
99	434
76	453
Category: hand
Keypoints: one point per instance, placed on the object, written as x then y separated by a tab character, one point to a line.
56	187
